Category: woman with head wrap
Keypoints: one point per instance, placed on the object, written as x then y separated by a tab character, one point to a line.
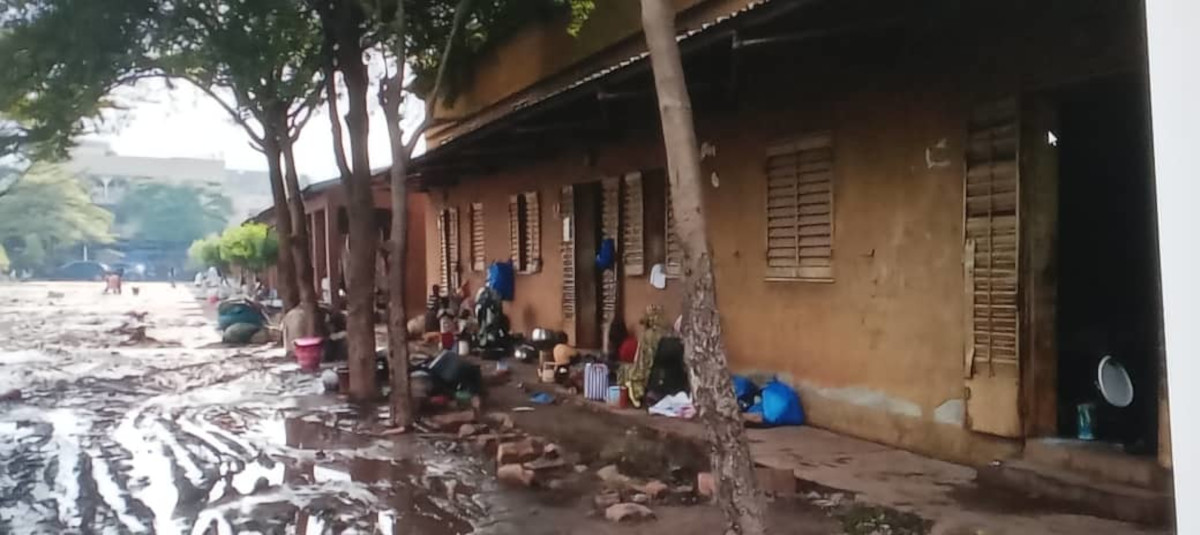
634	376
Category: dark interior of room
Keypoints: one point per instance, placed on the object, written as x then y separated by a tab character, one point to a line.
1108	279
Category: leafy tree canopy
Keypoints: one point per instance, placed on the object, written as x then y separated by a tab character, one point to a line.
171	212
62	58
250	246
206	252
45	212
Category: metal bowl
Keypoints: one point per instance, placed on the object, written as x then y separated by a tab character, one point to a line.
525	354
541	336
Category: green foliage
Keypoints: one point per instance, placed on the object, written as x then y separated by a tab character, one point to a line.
250	246
172	213
267	53
5	263
206	252
62	58
45	212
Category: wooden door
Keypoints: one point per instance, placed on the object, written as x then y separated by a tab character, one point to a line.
991	223
587	230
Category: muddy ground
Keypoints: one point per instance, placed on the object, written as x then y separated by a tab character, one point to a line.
131	420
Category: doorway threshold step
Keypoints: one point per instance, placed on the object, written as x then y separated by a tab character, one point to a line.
1101	498
1101	461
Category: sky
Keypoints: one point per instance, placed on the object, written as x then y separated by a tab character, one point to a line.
160	121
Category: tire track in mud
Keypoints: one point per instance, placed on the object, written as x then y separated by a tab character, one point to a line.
96	454
186	439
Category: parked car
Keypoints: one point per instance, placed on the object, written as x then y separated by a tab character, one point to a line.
80	271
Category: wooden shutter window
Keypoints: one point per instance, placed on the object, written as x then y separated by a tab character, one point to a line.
633	241
532	222
443	254
674	251
800	209
448	255
453	246
991	217
514	232
567	212
524	232
478	251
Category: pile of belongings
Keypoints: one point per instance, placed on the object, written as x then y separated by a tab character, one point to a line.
493	338
242	321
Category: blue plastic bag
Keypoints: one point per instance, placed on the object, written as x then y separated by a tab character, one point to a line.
607	255
744	390
780	405
500	278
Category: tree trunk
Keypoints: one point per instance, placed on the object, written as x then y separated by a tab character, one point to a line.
712	388
285	264
401	399
364	237
301	244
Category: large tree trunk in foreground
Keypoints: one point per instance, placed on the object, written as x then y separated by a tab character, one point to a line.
401	399
364	237
285	264
712	388
301	246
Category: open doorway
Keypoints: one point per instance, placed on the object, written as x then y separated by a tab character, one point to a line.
1108	276
589	330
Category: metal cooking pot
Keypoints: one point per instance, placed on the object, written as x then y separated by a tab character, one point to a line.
543	336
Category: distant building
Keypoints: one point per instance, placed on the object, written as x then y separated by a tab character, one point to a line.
109	176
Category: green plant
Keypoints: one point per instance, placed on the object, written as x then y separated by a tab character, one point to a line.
251	246
206	252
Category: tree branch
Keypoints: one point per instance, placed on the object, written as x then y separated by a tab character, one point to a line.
335	124
237	117
460	17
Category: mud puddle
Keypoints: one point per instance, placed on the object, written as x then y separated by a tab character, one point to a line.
188	440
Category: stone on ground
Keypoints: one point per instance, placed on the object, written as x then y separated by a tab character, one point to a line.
520	451
655	489
515	474
706	484
612	476
604	500
627	512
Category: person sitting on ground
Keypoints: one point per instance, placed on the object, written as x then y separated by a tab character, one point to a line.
432	306
668	375
633	377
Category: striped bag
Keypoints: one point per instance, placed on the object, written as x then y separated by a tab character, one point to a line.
595	381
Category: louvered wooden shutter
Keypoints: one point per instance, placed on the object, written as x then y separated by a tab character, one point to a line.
674	251
443	251
514	232
453	267
567	212
533	233
992	236
800	208
991	277
633	242
478	251
610	220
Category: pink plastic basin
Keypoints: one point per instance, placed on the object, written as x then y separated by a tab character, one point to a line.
308	352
